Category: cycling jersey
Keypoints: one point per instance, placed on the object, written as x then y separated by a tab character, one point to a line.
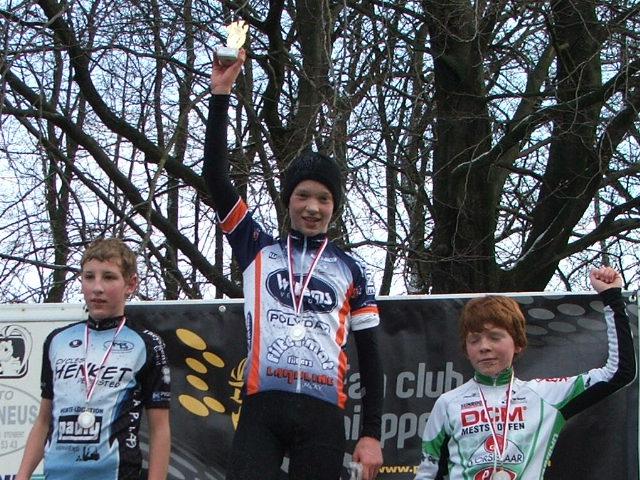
298	352
458	435
135	374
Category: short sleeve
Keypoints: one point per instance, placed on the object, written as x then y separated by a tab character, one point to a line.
156	377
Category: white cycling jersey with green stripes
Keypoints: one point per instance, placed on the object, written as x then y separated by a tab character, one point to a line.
458	439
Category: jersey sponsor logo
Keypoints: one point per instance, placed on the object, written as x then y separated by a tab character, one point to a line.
485	453
552	380
280	319
319	296
160	355
485	474
161	397
249	324
15	350
110	376
371	289
70	432
280	346
119	346
166	374
496	414
89	454
292	376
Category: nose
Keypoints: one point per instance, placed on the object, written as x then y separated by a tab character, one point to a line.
97	285
485	344
312	206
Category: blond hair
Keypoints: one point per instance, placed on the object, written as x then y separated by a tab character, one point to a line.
114	249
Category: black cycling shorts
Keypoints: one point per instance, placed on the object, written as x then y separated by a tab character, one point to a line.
274	424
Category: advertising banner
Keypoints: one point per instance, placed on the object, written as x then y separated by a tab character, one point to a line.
421	356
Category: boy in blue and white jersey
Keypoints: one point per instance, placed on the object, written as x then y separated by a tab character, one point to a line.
97	377
498	427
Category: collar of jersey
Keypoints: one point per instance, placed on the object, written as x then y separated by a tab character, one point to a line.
298	238
503	378
105	323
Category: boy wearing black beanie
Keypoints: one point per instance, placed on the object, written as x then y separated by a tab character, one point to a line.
303	296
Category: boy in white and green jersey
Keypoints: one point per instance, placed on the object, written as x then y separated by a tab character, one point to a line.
498	427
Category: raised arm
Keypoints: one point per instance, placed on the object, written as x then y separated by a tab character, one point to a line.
215	170
620	368
604	278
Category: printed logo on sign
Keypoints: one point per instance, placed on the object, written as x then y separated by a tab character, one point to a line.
15	349
18	412
75	343
70	432
318	297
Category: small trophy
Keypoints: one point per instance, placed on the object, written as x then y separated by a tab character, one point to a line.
236	35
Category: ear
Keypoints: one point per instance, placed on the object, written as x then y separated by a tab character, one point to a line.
517	350
132	285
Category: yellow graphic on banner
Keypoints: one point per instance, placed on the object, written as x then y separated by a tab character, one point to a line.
203	406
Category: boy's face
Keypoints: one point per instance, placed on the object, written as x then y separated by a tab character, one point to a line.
105	288
310	208
491	351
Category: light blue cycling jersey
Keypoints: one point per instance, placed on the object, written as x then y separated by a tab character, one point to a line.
134	375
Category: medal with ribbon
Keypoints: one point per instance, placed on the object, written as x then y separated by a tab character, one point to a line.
87	419
498	449
298	289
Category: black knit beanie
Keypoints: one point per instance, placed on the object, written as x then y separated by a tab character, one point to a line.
313	166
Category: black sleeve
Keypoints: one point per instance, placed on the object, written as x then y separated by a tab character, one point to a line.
626	369
626	351
371	380
215	170
154	376
46	373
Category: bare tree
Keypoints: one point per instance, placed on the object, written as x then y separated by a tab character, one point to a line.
488	146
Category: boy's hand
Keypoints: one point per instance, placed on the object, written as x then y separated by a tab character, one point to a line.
368	453
223	77
604	278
